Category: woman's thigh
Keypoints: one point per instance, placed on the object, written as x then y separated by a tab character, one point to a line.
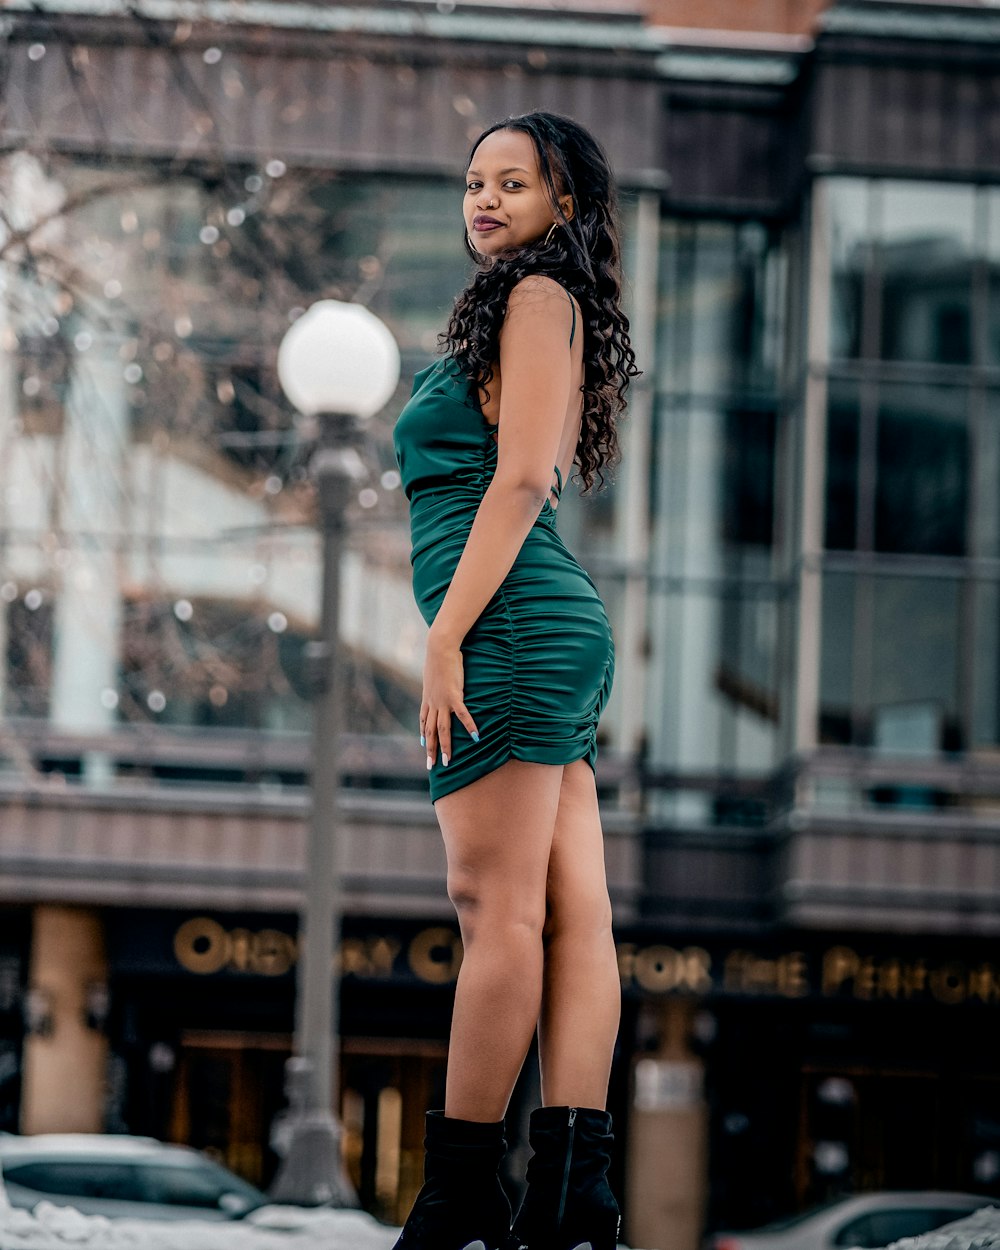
498	834
577	879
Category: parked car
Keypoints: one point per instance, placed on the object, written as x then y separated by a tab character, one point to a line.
865	1220
119	1176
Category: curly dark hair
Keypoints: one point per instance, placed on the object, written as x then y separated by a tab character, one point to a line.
583	256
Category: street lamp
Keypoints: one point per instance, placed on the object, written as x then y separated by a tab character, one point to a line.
338	364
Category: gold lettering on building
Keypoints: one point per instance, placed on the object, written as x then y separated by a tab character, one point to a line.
846	973
435	955
664	969
368	957
202	945
786	975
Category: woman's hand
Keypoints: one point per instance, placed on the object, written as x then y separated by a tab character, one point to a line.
443	696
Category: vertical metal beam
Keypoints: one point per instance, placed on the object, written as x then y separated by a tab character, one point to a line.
633	494
813	474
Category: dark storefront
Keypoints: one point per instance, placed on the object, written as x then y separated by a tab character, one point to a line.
822	1063
202	1025
14	941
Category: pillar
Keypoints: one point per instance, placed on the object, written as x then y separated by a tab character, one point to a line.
668	1137
65	1056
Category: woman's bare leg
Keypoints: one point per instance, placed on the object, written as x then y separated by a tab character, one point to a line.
497	833
581	1005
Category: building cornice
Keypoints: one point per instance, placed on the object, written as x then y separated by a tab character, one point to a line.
620	33
887	19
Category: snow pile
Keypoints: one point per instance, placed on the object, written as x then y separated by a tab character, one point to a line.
49	1227
980	1231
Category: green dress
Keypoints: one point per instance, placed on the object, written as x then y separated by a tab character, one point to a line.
539	660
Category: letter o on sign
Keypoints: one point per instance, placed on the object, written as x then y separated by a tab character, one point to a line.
436	955
202	945
658	968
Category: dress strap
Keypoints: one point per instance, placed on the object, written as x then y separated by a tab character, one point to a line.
557	489
572	304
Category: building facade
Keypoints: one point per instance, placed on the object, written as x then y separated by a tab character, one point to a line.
799	764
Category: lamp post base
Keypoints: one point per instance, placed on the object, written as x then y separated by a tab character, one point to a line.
312	1172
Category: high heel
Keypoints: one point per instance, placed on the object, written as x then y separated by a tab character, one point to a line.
569	1204
461	1205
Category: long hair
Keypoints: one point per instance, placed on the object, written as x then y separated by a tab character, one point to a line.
584	256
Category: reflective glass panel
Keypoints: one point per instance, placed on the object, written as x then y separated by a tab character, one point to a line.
837	659
849	207
925	251
922	476
914	664
992	334
891	661
721	307
842	435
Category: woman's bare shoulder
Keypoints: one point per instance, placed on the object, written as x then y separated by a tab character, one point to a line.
536	288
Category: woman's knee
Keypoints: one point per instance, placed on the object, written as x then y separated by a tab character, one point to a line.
499	904
585	915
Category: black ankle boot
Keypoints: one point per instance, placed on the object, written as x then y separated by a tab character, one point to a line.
461	1205
569	1205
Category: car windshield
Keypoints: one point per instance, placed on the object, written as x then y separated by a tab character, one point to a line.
79	1178
194	1182
199	1184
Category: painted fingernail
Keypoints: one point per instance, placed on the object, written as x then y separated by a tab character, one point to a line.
423	740
444	759
430	762
475	736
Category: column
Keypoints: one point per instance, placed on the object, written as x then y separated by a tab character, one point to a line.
668	1138
65	1055
88	613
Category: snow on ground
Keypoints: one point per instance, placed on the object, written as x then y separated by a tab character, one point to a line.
50	1227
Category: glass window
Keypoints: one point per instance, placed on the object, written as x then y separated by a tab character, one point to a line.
891	663
984	598
914	666
922	475
153	454
748	470
837	659
843	424
721	307
898	465
91	1178
29	650
882	1228
849	203
902	254
925	255
993	275
196	1186
713	666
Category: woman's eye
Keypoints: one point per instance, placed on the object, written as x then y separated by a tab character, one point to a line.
472	186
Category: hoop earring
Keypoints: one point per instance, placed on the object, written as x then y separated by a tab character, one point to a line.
552	229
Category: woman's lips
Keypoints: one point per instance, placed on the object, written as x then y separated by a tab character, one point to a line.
483	225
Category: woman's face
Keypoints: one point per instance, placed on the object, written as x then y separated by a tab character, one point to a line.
506	202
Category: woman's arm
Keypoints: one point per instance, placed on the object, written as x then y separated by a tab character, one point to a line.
535	372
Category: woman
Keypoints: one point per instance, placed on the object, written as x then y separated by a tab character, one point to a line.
519	665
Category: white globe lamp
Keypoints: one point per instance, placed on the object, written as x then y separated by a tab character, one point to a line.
338	357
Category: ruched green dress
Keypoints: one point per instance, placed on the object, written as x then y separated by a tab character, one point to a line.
539	660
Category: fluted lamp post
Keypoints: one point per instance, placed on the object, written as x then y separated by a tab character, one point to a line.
339	364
